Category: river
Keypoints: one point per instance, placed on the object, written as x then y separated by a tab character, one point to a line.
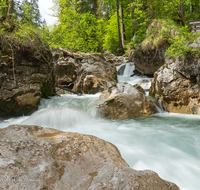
166	143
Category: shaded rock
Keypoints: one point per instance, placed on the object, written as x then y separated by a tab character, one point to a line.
66	71
125	101
139	88
35	158
176	85
95	74
22	86
59	91
149	61
121	70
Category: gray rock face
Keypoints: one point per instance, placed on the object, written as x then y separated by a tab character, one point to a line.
36	158
148	62
125	101
177	85
95	74
22	86
66	70
116	60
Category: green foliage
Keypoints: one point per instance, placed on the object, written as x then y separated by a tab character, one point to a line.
90	25
77	32
24	39
180	44
111	41
160	31
24	12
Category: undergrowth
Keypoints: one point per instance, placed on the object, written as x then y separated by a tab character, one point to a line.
172	36
23	38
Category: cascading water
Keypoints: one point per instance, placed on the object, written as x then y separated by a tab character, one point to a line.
166	143
143	81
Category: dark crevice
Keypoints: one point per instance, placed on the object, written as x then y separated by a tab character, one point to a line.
193	79
68	85
138	73
182	75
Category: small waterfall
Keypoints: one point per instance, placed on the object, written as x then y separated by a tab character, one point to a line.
159	107
130	67
126	69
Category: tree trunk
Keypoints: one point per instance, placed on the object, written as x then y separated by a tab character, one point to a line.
10	8
122	25
95	7
118	25
182	8
191	7
199	5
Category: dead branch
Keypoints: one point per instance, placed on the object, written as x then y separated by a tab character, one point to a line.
67	89
71	54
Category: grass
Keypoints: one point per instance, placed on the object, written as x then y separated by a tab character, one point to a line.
160	31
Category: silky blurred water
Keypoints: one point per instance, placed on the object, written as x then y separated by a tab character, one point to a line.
166	143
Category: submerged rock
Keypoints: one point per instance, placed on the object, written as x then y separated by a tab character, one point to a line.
35	158
125	101
24	80
177	85
95	74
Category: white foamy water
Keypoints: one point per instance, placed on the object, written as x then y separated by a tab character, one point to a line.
143	81
130	67
166	143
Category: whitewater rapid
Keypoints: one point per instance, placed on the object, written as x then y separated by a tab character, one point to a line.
166	143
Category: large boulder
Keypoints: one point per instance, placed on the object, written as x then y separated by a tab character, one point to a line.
95	74
125	101
24	79
35	158
66	71
177	85
148	61
149	55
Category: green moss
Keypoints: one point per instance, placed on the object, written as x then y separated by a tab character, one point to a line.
48	87
153	93
109	101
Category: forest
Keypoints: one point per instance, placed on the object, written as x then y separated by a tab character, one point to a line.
97	25
106	98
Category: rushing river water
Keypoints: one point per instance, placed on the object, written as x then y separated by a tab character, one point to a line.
166	143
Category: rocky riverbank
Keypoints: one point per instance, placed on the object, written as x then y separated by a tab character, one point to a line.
177	85
26	75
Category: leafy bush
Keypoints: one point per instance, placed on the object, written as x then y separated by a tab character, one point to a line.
179	45
111	40
78	32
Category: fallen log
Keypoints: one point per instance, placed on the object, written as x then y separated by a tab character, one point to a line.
67	89
71	54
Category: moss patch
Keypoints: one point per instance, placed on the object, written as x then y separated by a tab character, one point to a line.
48	87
